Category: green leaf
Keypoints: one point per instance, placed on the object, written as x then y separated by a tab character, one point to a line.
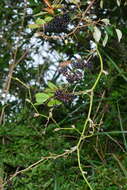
119	34
57	6
42	97
125	3
75	1
52	86
106	21
40	13
105	40
97	34
48	19
33	26
54	102
101	4
47	90
118	2
40	21
109	30
91	28
47	183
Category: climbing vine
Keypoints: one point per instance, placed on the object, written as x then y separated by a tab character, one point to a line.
68	23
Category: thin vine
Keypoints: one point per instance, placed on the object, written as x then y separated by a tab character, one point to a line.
88	120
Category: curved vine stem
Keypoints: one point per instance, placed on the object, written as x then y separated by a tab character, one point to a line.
82	137
88	122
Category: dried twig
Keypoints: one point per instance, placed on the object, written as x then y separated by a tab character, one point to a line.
67	152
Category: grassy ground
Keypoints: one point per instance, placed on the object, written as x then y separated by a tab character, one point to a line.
102	158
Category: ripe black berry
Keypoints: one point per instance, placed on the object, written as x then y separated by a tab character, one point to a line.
79	64
63	70
63	96
70	78
74	77
58	24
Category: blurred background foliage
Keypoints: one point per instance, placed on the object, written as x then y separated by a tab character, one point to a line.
26	64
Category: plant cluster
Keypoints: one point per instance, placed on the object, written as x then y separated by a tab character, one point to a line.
58	24
73	70
64	96
45	144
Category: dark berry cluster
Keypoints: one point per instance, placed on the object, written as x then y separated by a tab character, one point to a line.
72	73
58	24
63	96
79	64
63	70
74	77
74	70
